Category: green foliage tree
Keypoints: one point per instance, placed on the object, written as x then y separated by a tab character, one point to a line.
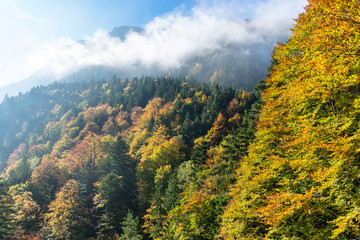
130	227
6	218
111	202
20	172
155	217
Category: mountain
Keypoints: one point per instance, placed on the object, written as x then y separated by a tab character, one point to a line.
236	65
43	77
228	67
167	158
122	31
37	79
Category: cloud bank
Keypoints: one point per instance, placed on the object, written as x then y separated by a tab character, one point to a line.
171	39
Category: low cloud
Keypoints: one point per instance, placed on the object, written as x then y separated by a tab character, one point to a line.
171	39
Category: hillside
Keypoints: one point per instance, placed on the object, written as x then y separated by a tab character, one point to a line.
169	158
79	156
301	177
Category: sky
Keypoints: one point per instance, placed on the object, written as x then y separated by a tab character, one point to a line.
38	34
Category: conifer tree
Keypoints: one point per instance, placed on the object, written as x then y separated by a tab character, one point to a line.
130	227
111	201
6	226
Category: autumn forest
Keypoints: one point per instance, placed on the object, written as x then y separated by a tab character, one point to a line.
167	158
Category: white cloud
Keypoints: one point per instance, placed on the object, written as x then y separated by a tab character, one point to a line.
19	13
171	39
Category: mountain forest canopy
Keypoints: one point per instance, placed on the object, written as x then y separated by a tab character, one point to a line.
109	159
166	158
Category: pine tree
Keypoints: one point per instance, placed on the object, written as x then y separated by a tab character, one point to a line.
6	226
111	201
130	227
122	164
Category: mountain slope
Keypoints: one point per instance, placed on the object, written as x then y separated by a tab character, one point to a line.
79	157
301	177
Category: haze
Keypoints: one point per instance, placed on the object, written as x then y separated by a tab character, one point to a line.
39	35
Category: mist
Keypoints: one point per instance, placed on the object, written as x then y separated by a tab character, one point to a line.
170	40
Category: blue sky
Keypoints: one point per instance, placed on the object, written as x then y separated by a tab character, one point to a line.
27	24
79	17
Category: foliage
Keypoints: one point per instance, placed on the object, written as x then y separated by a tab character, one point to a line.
27	213
130	228
67	216
300	180
111	199
93	152
6	225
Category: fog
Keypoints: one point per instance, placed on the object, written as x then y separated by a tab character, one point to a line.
168	41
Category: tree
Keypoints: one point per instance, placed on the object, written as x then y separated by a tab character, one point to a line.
6	226
197	213
122	164
26	211
46	180
187	127
130	227
88	151
155	217
98	114
158	152
20	172
218	130
67	216
111	201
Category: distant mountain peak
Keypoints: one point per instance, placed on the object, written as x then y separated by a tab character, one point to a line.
122	31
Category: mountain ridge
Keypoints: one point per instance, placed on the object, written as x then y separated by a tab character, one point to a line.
232	66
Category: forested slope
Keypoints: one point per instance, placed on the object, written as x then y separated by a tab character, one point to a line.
301	177
98	160
160	158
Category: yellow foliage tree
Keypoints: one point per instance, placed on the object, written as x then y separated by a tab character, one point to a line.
300	180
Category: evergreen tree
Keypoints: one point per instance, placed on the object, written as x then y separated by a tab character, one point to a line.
6	226
20	173
122	164
112	203
187	127
130	227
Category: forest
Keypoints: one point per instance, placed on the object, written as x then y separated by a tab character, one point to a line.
165	158
114	159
